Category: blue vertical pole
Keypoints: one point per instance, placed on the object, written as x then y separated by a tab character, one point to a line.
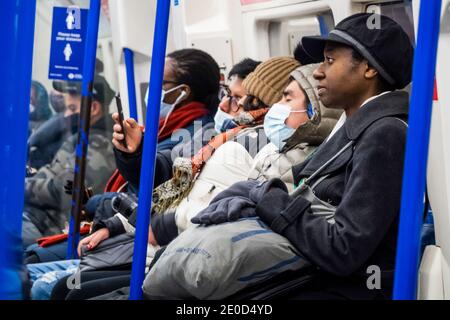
414	179
129	64
150	145
16	56
84	124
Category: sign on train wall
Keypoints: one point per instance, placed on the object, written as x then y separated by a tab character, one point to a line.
69	29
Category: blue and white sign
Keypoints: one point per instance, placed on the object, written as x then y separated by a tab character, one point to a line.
68	42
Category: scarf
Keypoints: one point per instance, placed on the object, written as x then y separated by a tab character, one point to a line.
171	193
181	118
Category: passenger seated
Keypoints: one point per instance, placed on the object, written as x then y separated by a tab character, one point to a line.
189	100
357	174
47	207
229	106
45	142
190	96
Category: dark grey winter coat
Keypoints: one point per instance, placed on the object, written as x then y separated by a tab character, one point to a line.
365	184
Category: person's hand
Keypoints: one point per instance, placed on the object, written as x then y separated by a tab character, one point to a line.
93	240
133	134
151	237
30	172
225	210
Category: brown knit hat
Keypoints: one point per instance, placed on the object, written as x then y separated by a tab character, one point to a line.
270	78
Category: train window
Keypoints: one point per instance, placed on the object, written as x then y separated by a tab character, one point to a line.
400	11
55	106
284	35
326	22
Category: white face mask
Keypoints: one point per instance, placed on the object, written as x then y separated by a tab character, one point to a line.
220	119
167	108
274	124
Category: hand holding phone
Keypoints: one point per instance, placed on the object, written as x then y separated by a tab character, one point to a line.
127	135
121	119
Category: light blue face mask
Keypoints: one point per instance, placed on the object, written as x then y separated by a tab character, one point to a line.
220	121
166	108
274	124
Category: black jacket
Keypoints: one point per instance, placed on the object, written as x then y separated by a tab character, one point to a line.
129	166
365	184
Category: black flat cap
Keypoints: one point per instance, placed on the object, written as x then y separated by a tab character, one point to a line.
102	92
385	45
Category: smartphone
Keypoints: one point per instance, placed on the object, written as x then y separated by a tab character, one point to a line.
121	119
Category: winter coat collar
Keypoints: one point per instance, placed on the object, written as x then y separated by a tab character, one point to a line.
394	104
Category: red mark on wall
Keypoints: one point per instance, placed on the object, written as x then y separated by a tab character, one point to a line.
435	95
247	2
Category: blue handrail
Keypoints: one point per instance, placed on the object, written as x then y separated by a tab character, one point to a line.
416	157
150	146
129	64
84	124
17	20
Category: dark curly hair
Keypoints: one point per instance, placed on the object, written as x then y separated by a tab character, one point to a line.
200	72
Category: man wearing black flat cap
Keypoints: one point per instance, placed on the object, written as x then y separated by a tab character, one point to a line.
362	68
47	207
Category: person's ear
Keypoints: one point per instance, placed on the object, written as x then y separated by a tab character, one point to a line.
370	72
187	92
96	109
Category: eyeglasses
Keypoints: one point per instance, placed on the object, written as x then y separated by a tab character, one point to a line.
233	102
165	82
170	81
224	91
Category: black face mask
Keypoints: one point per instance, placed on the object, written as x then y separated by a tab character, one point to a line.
57	102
